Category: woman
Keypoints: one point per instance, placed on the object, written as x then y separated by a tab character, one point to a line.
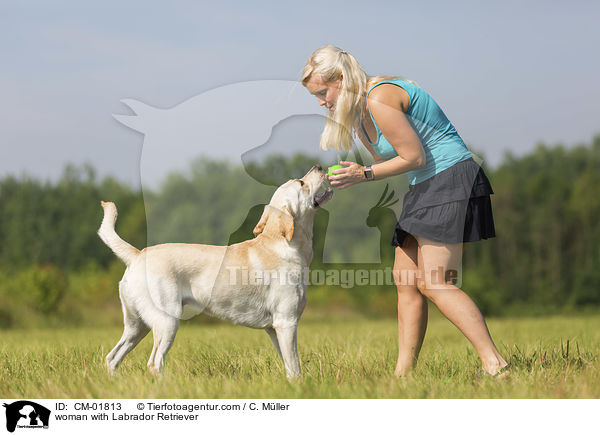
448	202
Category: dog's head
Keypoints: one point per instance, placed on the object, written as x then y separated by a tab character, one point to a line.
295	203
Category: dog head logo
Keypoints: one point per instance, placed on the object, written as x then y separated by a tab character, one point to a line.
26	414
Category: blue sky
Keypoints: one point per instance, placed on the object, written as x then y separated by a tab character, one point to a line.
508	74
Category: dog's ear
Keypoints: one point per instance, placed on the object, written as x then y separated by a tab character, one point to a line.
260	226
275	220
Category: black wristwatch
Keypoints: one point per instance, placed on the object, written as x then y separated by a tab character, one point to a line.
369	173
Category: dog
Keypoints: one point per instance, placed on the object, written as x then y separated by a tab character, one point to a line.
256	283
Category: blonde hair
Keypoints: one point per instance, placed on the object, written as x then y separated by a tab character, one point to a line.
331	64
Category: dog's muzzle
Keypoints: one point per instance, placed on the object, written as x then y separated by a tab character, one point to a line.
324	194
322	197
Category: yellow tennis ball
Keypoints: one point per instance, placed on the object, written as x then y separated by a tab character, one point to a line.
333	168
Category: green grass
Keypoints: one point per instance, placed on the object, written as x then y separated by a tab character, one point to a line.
553	357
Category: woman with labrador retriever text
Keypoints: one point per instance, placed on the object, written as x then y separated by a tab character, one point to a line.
448	202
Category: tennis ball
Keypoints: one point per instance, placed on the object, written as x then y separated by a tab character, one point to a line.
333	168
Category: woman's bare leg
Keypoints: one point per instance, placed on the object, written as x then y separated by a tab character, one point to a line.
412	307
436	259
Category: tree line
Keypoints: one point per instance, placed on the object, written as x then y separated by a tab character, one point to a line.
545	256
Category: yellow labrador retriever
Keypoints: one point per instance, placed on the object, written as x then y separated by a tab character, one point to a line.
257	283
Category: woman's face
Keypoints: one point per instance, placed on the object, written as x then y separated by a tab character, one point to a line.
326	92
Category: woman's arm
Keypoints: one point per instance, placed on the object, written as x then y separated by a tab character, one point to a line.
387	103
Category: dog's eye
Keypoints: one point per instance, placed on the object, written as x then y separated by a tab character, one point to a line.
301	182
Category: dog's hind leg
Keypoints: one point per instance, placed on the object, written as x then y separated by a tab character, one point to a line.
273	336
164	331
287	338
135	329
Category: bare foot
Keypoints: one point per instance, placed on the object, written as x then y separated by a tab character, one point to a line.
497	374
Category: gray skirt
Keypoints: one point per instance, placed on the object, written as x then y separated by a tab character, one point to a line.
453	206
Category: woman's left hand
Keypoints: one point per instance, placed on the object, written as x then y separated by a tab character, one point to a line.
351	174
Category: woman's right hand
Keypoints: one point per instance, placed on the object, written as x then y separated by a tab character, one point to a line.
352	173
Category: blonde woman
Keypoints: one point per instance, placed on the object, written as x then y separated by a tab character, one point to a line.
448	202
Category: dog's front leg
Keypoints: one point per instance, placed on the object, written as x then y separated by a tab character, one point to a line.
287	338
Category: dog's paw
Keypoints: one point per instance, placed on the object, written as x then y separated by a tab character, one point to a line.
294	377
154	371
112	371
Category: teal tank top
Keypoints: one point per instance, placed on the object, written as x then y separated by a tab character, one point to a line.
442	145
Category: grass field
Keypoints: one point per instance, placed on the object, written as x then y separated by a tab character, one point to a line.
553	357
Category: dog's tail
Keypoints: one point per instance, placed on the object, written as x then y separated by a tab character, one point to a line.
107	233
